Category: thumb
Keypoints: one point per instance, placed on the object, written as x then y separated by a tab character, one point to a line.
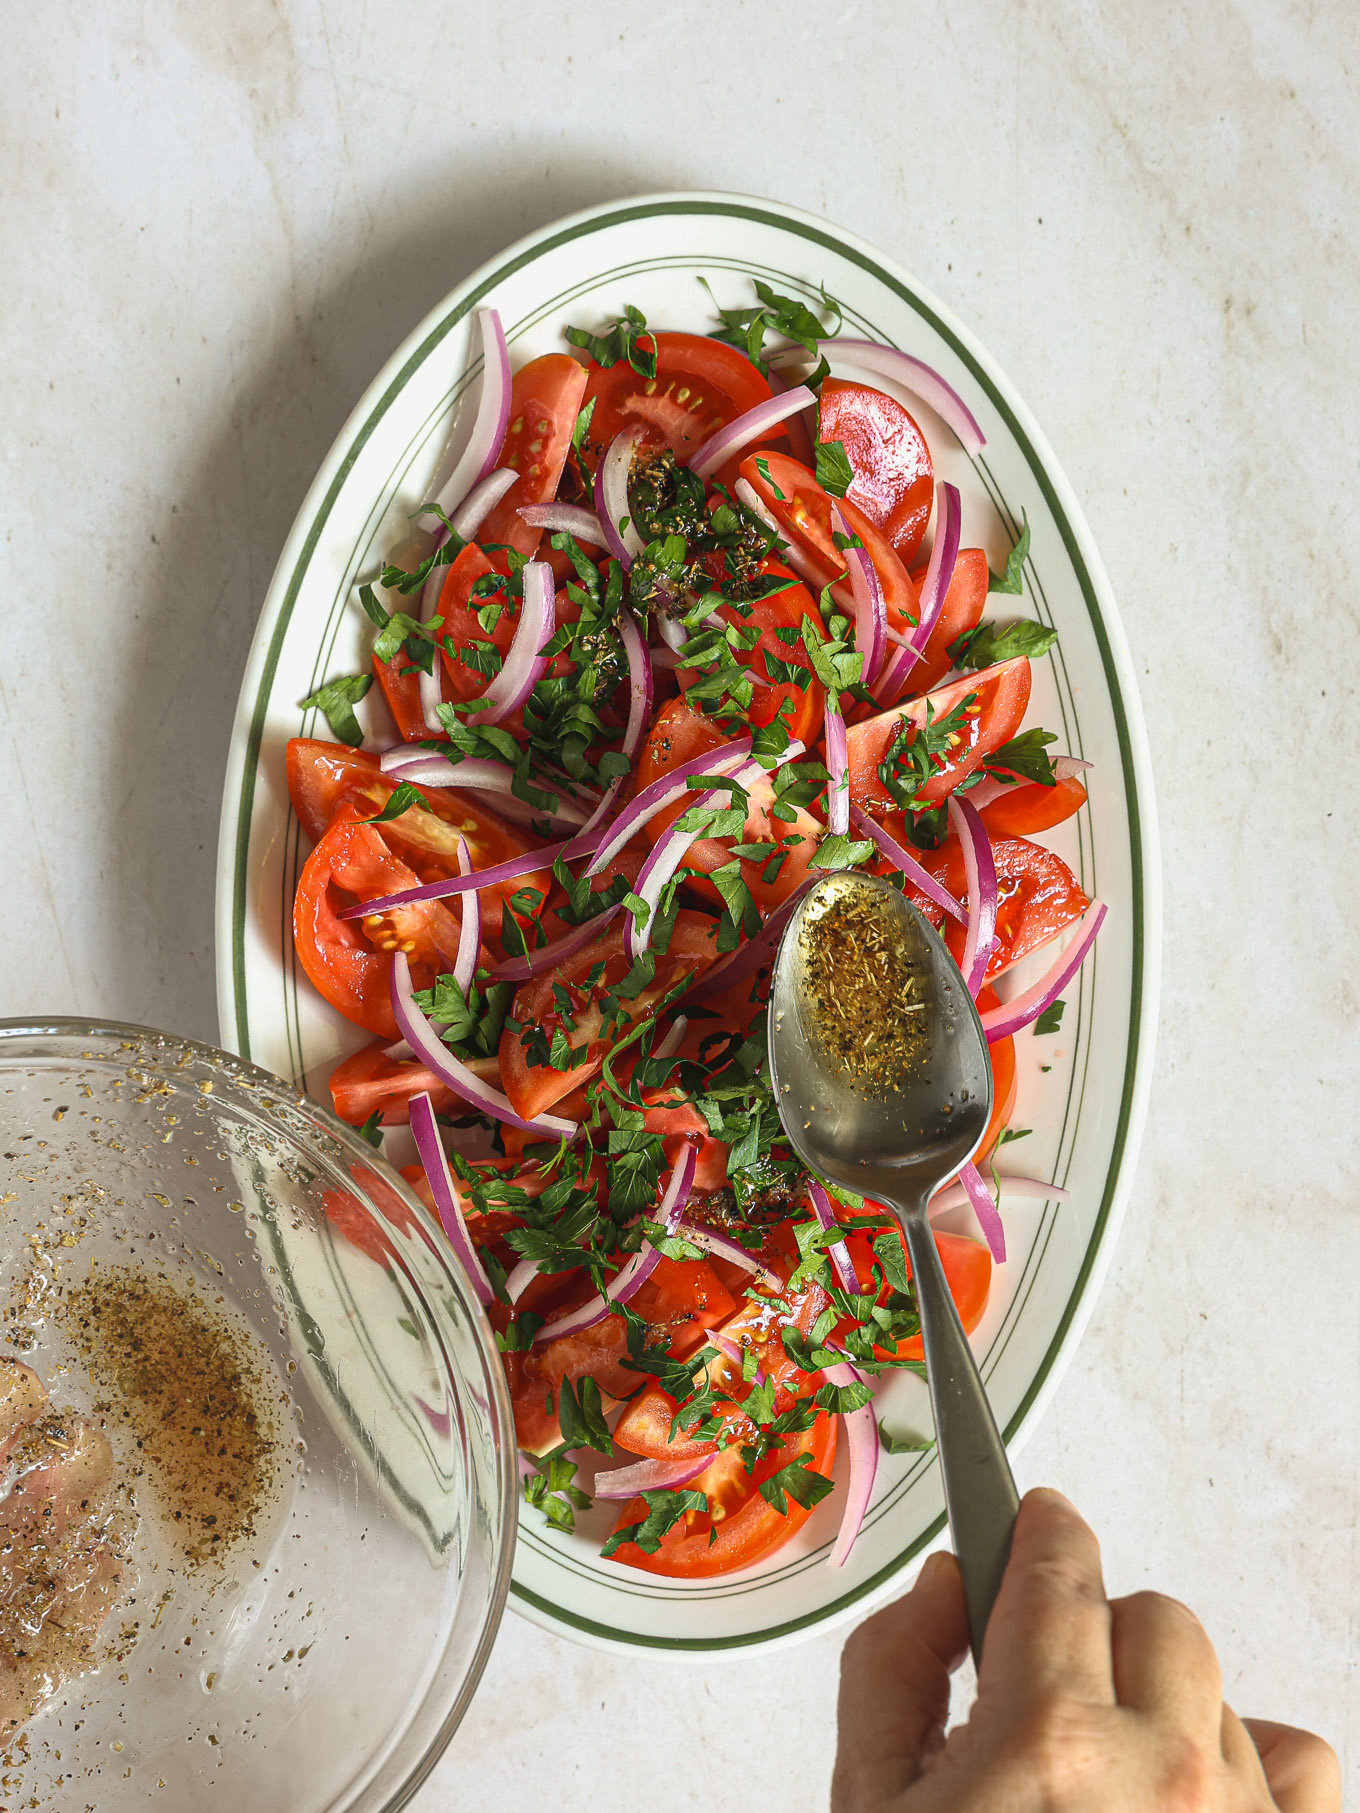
894	1696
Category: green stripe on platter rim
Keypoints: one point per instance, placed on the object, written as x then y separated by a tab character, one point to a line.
815	234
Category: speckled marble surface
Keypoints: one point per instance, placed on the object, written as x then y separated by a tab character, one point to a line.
219	219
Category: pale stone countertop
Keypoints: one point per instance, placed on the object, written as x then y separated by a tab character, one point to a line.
218	221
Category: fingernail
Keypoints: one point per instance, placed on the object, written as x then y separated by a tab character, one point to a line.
1050	1495
935	1564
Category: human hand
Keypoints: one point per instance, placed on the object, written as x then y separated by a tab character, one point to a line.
1084	1704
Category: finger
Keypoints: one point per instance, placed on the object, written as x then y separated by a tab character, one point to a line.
1165	1666
1300	1768
894	1696
1050	1627
1240	1754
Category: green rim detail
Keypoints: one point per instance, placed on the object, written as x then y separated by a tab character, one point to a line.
818	236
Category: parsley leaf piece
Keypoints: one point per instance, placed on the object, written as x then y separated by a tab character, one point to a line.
990	643
904	1444
842	1399
336	701
404	796
834	471
621	341
1012	580
888	1252
664	1511
1024	755
582	425
838	852
1051	1018
747	327
582	1419
798	1481
372	1129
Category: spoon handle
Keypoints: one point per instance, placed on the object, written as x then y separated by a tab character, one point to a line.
978	1488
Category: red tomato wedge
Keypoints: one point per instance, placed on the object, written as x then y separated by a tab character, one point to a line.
545	399
1037	897
803	510
894	478
994	716
369	1082
533	1087
1030	807
967	1270
349	961
964	602
747	1526
700	385
784	611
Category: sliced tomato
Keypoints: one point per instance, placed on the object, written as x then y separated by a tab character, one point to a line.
1001	1056
803	510
700	385
369	1082
964	602
1029	807
462	627
349	961
400	683
741	1526
894	478
545	400
679	734
681	1298
534	1087
1037	897
967	1270
784	612
1002	695
320	774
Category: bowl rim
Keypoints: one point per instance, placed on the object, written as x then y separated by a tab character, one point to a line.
502	1416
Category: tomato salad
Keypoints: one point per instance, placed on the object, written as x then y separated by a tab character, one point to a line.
680	645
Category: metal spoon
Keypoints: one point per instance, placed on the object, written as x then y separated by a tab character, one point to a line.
888	1101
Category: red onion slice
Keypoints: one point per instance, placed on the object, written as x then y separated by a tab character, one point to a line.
548	956
984	1207
569	519
840	1252
861	1437
630	1277
470	930
1001	1022
664	858
524	662
671	1043
730	1350
902	860
435	1054
510	870
728	440
611	498
940	570
838	767
639	682
954	1196
445	1192
481	501
871	612
519	1278
979	868
913	375
492	418
722	1246
663	792
478	775
649	1476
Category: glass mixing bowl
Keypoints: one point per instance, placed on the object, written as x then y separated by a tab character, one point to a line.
325	1660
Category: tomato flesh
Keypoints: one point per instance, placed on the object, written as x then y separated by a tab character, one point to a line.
545	398
1037	897
1002	695
700	386
894	478
967	1270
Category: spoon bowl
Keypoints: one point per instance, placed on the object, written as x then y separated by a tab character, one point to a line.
880	1069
